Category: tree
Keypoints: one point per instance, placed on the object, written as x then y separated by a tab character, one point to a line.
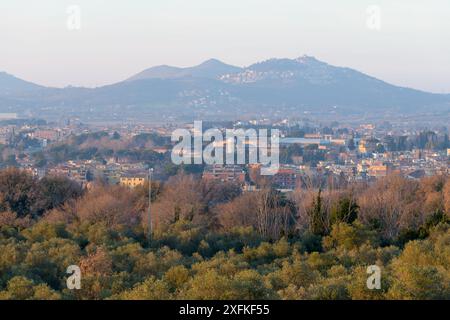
345	210
53	191
96	270
420	272
446	195
18	288
116	136
266	210
348	237
44	292
318	223
177	277
209	285
392	204
17	191
150	289
180	199
22	288
249	285
114	206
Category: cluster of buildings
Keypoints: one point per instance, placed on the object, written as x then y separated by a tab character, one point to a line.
86	171
348	154
352	155
291	176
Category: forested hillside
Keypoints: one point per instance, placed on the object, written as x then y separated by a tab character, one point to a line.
211	241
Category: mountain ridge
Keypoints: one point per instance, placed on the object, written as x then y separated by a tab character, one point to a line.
300	84
10	84
208	69
187	72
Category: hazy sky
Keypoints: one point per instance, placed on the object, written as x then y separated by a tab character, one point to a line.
118	38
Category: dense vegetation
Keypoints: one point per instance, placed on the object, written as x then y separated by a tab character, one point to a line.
211	241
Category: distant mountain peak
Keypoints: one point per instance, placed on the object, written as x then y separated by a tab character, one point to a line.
305	59
211	69
211	62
